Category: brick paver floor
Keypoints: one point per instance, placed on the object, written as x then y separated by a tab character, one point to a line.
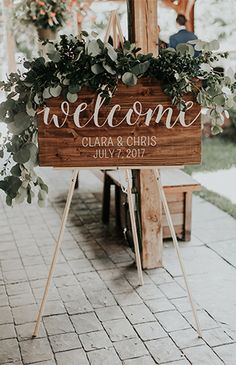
96	313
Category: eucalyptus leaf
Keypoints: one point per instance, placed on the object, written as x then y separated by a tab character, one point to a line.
184	48
50	48
42	198
42	194
109	69
41	203
33	160
21	195
93	48
23	155
55	91
54	56
37	99
71	97
29	109
30	195
111	52
27	64
219	99
141	68
129	79
198	45
21	122
42	185
9	201
216	129
46	93
206	67
11	185
3	110
74	89
97	69
16	170
66	81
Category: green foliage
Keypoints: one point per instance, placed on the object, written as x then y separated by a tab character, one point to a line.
213	161
85	60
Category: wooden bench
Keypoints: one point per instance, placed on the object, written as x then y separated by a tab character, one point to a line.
178	187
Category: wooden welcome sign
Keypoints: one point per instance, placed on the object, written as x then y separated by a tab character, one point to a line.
138	127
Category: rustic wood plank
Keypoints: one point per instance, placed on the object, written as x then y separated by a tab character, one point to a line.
68	146
175	178
177	218
176	207
179	230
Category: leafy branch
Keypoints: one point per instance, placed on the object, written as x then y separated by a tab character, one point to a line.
75	62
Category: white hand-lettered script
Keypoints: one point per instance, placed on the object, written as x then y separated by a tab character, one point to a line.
131	118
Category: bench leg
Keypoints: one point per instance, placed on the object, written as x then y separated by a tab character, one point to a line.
106	199
77	183
187	216
117	205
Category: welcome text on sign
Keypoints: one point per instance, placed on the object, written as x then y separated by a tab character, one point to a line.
131	118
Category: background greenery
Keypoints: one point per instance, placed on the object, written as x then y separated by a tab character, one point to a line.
219	153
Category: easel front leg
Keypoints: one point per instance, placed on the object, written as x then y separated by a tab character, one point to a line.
56	251
133	225
176	244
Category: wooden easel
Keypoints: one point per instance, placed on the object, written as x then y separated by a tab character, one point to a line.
115	25
128	190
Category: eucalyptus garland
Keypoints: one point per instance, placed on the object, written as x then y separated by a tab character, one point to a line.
85	60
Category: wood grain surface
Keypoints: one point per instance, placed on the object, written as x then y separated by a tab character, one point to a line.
62	147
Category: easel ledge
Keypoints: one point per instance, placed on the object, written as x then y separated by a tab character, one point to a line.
117	168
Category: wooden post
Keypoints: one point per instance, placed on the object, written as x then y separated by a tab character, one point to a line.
190	8
10	39
143	24
143	31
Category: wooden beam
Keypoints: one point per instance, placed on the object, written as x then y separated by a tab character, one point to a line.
143	31
151	221
10	39
190	9
143	24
